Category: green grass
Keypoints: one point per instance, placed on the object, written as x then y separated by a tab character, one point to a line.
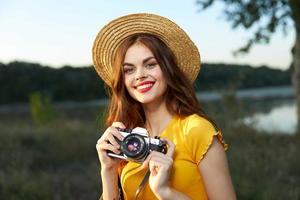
58	161
55	161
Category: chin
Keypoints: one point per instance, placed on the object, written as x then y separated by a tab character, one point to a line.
144	100
148	100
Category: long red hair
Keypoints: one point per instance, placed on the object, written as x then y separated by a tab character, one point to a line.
180	96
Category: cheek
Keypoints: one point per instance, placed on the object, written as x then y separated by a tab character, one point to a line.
156	73
128	83
159	77
163	84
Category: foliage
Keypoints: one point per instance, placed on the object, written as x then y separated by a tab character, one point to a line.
42	111
18	80
234	77
59	160
264	16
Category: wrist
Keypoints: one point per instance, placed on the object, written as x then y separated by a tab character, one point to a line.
164	193
109	170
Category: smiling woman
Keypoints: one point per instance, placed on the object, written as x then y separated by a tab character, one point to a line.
144	80
149	63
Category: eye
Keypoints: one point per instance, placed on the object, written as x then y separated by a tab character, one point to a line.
128	70
151	65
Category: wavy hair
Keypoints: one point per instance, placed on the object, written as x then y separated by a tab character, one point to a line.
180	96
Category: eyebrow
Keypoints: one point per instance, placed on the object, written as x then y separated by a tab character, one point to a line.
144	61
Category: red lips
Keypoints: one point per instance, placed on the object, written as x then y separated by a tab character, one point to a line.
144	86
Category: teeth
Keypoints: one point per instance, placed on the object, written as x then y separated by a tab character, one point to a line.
144	86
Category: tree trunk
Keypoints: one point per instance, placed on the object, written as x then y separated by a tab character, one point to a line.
295	7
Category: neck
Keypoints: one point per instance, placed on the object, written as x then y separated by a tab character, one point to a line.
157	117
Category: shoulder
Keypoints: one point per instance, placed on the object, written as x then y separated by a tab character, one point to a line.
197	124
199	134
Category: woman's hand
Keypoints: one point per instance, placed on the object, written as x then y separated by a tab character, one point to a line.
160	166
107	142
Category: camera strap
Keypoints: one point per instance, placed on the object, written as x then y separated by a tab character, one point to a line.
142	184
121	195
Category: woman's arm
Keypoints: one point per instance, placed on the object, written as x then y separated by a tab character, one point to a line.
109	184
171	194
109	166
215	173
160	165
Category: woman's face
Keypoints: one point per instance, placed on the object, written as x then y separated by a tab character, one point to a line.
143	77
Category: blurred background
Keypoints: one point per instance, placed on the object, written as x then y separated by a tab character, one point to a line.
52	103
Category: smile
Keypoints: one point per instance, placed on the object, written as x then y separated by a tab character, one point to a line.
145	87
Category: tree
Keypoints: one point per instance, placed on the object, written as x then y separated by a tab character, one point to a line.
265	17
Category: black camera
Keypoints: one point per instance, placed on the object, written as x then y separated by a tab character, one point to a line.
136	145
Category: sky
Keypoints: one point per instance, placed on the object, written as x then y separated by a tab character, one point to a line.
58	33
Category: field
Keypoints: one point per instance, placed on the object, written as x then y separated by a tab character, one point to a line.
58	160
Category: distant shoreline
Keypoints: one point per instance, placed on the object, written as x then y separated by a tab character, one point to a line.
253	93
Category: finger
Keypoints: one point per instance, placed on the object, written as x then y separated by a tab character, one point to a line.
107	135
115	133
154	167
171	147
112	140
154	170
164	161
152	154
157	166
118	124
99	141
146	161
107	147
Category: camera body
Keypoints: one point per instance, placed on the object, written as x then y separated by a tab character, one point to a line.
136	145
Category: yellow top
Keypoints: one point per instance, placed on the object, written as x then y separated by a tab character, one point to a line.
192	136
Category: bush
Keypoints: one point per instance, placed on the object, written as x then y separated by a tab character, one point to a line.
41	109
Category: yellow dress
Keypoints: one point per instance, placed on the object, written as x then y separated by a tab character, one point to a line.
192	136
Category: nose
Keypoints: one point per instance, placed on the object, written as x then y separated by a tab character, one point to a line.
141	73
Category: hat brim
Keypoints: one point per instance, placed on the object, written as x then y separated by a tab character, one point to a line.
114	33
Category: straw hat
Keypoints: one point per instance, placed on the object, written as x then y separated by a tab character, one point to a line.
113	34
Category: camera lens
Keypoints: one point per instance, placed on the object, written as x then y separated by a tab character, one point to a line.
134	146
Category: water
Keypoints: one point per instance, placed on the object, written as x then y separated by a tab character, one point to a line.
268	109
274	115
271	109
